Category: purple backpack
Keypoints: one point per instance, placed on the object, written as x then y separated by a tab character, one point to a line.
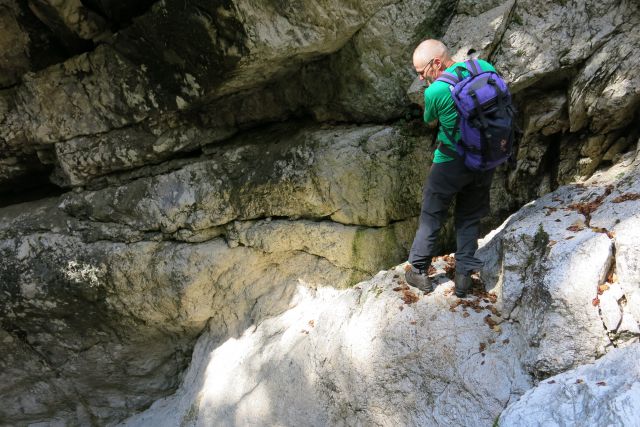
485	117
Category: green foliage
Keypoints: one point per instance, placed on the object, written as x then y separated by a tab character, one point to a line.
541	239
517	19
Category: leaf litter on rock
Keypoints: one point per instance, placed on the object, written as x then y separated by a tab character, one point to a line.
626	197
489	321
409	297
587	208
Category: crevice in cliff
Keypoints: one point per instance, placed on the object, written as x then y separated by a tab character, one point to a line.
497	43
49	17
119	14
29	188
45	48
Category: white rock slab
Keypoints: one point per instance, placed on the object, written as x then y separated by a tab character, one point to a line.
605	393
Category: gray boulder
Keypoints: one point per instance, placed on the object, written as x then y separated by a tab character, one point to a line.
606	392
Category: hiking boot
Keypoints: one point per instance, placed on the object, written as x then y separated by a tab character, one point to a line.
418	280
463	284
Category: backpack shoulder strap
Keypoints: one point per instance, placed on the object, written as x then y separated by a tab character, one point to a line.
452	78
449	78
473	66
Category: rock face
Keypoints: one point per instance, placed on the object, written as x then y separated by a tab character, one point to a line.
583	396
194	170
122	290
384	353
554	260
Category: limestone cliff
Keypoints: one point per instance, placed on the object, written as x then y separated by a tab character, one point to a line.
178	174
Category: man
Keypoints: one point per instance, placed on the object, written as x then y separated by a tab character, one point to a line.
447	178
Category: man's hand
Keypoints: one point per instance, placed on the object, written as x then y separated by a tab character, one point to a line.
433	124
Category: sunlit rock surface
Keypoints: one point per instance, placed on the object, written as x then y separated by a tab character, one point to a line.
189	165
606	392
360	356
384	353
553	260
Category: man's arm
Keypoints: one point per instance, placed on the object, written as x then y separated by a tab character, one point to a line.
430	116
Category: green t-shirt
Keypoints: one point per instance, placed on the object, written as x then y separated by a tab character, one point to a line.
438	104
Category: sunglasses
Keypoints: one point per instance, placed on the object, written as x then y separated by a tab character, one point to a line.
421	73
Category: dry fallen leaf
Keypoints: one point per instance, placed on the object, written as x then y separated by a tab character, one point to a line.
465	314
413	322
493	310
579	381
482	347
312	323
601	383
595	301
625	197
492	323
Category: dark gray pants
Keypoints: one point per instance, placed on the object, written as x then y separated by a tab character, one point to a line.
471	189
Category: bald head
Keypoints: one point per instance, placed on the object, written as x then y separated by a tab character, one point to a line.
427	50
430	58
